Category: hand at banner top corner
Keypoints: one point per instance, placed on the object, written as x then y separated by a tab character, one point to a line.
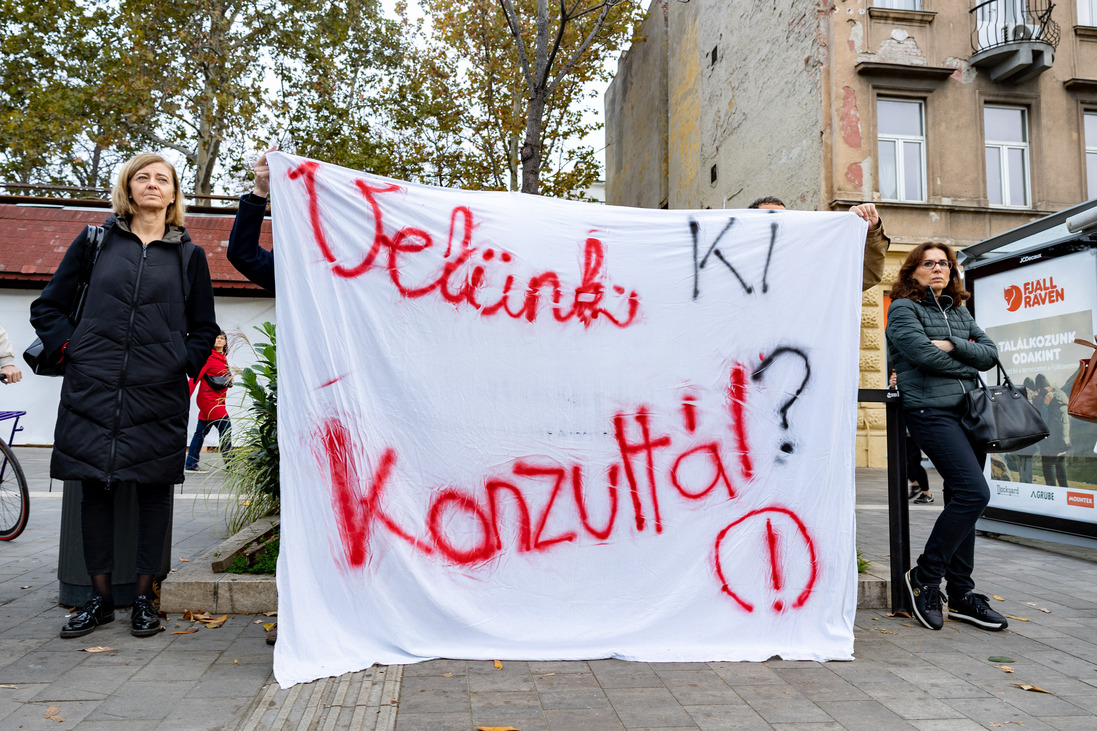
262	174
868	212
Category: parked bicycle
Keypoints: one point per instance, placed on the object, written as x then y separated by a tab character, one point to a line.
14	495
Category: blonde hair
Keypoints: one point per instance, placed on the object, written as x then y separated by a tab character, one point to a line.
120	194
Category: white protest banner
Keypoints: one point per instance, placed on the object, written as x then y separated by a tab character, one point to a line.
513	427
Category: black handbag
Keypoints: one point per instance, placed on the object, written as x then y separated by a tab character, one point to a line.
35	354
1000	418
218	383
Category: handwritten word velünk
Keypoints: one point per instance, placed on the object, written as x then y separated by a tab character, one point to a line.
469	276
357	499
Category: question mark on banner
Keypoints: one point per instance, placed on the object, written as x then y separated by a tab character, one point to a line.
760	371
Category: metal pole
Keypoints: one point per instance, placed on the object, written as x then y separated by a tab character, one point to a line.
898	511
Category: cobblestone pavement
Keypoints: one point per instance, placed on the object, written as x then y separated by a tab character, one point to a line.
903	677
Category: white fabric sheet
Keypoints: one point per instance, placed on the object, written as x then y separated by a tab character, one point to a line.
514	427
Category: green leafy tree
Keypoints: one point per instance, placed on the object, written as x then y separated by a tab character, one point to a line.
61	91
85	82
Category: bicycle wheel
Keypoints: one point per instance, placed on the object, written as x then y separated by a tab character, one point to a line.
14	497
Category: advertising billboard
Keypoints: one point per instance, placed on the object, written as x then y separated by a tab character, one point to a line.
1034	308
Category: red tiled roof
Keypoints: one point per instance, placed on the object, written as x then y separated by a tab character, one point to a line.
33	238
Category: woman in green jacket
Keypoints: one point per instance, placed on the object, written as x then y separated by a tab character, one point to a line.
937	351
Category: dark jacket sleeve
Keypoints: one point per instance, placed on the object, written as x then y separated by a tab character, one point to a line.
908	337
49	314
979	351
254	262
202	328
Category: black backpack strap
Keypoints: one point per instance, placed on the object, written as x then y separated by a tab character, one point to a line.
94	236
186	252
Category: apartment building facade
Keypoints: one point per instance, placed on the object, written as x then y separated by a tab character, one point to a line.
959	120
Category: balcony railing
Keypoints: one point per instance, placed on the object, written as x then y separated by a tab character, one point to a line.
998	22
1014	40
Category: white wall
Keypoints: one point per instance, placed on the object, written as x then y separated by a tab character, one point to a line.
38	396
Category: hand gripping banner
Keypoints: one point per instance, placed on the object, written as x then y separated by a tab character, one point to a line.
514	427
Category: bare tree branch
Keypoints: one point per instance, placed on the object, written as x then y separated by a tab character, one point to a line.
582	48
516	30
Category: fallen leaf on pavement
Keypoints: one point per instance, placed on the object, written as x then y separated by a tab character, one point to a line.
897	614
190	631
1019	619
885	631
53	714
496	728
999	598
447	675
998	658
1033	688
548	675
498	665
1045	611
268	625
98	649
16	687
24	587
184	560
1006	668
270	614
235	662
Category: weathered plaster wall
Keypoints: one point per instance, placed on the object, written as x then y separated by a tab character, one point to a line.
956	210
754	110
684	103
636	118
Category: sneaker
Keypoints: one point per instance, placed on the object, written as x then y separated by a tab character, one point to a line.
926	602
915	491
98	610
272	634
973	609
923	499
144	621
196	468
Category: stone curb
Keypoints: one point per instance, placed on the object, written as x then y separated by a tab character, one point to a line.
874	588
196	586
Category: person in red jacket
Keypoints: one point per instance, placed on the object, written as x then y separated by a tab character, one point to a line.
213	383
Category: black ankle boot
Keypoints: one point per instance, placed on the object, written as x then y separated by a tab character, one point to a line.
144	621
98	610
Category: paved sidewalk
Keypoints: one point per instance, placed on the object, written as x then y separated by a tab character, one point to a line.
904	676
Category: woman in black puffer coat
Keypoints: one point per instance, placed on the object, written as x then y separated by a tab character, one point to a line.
937	351
148	321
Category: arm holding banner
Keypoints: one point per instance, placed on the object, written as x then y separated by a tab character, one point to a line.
254	262
876	245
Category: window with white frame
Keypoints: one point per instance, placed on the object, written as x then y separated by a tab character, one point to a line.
898	4
1006	132
1091	154
901	147
1087	12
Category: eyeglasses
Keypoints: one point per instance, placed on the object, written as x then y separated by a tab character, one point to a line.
930	264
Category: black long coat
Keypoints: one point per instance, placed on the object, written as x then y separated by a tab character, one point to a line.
125	400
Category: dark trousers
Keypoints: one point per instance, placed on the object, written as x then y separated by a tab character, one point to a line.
950	550
97	524
1055	469
916	473
224	431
